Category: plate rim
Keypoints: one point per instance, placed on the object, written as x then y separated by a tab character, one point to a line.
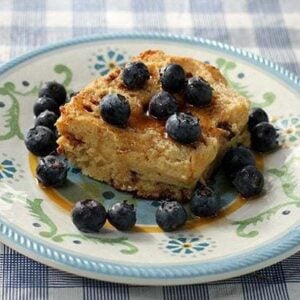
165	275
191	273
248	56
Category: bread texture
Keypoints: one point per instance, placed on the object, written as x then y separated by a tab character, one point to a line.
141	158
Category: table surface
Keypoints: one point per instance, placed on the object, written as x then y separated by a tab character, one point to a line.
270	28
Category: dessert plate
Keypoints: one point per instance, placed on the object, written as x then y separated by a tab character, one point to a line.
248	235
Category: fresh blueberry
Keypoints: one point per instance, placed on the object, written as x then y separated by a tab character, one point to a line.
54	90
249	181
257	116
264	137
40	141
235	159
183	128
115	109
162	105
88	216
170	216
172	78
47	118
135	75
56	133
198	92
45	103
205	202
52	171
122	216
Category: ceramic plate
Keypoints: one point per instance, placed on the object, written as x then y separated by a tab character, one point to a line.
248	235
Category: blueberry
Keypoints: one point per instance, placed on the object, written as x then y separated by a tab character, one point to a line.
172	78
40	141
162	105
249	181
122	216
47	118
54	90
198	92
235	159
52	171
135	75
88	215
115	109
264	137
256	116
205	202
183	128
56	133
45	103
170	216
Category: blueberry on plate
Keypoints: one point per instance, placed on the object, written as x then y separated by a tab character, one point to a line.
122	216
40	141
115	109
198	92
135	75
162	105
172	78
52	171
183	128
47	118
264	137
170	216
205	202
235	159
56	133
257	116
249	181
55	91
88	216
45	103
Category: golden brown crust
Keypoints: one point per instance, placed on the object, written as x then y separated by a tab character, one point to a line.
141	158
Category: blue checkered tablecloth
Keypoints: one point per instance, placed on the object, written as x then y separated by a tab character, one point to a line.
270	28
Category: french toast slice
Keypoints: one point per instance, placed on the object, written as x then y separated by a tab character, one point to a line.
141	158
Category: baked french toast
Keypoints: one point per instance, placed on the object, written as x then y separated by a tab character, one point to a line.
141	157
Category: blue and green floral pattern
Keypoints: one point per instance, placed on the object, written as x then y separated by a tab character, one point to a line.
186	245
289	129
10	170
7	169
108	59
